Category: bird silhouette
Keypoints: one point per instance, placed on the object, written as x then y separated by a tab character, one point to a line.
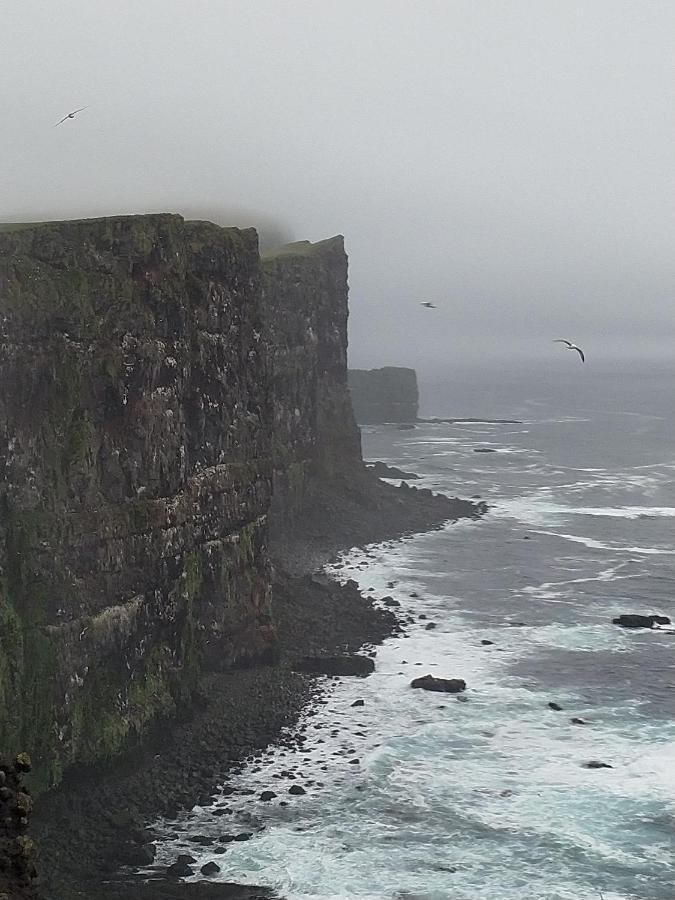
571	346
427	304
71	115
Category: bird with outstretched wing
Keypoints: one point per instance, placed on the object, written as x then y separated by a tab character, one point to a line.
71	115
571	346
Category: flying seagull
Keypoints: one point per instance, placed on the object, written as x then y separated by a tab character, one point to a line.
71	115
571	346
427	304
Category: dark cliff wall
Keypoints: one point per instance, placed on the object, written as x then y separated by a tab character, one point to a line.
305	309
17	852
384	395
135	451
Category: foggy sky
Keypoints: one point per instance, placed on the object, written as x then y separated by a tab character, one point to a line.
510	161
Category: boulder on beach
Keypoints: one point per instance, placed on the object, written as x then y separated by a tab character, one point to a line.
181	867
633	620
336	665
210	868
444	685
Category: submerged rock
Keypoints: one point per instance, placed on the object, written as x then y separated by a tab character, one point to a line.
444	685
633	620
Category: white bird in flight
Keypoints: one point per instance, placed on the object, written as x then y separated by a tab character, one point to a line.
571	346
427	304
71	115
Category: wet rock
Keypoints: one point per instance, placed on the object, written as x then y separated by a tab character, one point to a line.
202	839
296	789
484	450
487	643
577	721
632	620
556	706
136	854
430	626
359	703
266	796
389	601
337	665
210	868
445	685
243	836
382	470
597	764
181	868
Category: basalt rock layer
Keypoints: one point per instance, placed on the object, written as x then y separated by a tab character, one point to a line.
136	451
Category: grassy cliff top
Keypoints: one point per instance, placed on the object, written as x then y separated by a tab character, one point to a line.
305	248
8	227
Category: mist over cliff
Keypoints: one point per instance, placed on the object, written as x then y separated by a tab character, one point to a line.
510	162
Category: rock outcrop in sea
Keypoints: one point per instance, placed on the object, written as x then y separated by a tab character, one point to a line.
382	395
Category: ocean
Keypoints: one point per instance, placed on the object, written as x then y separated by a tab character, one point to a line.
417	795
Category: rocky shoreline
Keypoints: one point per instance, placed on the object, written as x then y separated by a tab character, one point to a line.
97	823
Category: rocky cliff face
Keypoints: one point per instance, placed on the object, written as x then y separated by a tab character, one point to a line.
384	395
305	312
17	852
136	460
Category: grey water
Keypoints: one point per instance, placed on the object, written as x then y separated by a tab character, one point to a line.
491	798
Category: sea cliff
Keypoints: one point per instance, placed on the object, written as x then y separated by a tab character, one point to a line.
178	455
383	395
156	384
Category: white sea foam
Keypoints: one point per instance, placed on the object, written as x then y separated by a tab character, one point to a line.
604	545
538	509
483	799
479	799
